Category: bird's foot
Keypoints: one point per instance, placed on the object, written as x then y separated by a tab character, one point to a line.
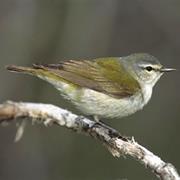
96	118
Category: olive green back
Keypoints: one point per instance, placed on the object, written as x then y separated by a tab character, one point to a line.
104	75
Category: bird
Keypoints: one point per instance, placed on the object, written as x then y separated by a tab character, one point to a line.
109	87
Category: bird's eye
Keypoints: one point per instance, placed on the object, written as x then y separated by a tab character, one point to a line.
149	68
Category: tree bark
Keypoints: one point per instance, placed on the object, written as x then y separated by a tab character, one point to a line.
116	143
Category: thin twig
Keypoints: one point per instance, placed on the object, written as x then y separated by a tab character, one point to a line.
112	139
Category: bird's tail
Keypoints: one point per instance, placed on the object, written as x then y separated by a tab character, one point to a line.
48	73
21	69
39	71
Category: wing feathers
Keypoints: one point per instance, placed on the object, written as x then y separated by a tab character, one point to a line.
98	76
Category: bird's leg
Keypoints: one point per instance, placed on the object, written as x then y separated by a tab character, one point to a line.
96	118
112	132
98	121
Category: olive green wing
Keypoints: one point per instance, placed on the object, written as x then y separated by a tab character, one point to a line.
104	75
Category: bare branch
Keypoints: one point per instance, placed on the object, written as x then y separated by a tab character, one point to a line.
112	139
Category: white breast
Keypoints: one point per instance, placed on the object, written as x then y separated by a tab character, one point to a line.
147	93
102	105
91	102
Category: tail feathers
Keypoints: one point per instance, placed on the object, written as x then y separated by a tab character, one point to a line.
35	67
48	66
41	71
39	66
20	69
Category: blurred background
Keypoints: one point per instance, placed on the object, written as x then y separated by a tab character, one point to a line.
49	31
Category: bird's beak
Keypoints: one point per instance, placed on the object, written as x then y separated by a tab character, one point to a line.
167	69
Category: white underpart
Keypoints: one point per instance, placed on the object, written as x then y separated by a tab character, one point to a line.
91	102
102	105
